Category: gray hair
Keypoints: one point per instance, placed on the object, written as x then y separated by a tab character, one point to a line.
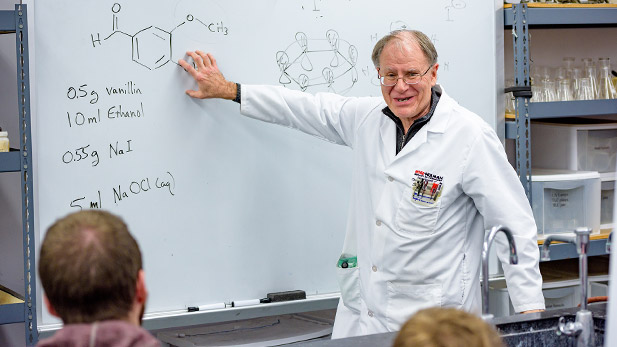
423	41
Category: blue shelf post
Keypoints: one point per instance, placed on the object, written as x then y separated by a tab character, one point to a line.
25	139
520	33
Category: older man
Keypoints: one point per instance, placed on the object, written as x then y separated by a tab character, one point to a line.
91	270
429	178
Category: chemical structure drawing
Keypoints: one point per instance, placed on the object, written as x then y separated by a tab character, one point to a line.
314	9
152	47
313	63
454	5
398	25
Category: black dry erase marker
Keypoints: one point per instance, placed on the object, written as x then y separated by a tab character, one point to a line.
206	307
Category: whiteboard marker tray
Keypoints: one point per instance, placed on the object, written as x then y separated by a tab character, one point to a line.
265	331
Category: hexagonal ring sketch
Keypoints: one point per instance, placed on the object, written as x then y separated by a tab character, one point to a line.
152	47
312	63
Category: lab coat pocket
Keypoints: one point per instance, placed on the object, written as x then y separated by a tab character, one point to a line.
405	299
415	218
349	282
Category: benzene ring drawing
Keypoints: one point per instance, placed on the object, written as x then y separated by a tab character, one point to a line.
328	63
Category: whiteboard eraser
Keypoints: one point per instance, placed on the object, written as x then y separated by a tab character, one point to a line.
287	296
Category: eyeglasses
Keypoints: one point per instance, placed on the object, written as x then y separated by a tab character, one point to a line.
391	79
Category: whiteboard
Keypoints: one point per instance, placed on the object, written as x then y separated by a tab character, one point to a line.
223	207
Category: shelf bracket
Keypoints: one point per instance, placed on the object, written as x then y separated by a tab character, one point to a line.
25	140
522	95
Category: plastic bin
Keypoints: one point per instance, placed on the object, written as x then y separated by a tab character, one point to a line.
607	201
598	288
559	295
565	200
585	147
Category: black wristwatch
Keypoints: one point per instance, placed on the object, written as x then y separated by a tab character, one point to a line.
237	99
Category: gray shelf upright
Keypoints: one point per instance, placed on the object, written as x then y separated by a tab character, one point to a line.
20	160
522	67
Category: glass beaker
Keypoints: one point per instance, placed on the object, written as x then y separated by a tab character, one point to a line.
606	89
590	72
536	94
587	62
602	62
548	90
576	75
585	91
568	62
564	90
561	73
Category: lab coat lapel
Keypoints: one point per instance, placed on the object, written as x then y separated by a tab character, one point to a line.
436	125
388	140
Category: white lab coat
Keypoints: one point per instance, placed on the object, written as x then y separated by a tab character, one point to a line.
417	246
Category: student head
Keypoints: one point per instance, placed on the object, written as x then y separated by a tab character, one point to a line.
91	270
446	327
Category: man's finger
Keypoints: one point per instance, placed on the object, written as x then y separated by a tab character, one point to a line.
192	93
205	58
188	67
183	63
197	59
211	57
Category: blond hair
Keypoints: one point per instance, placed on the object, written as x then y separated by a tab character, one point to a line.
446	327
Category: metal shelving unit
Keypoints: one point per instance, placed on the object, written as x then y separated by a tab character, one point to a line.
20	160
521	18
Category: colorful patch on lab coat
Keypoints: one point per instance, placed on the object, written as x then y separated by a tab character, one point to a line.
426	188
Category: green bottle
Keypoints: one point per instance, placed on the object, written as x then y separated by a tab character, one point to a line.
347	261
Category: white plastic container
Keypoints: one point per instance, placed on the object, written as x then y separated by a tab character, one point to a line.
598	288
584	147
607	201
4	141
564	200
557	295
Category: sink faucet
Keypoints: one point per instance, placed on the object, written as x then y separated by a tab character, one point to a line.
488	240
582	328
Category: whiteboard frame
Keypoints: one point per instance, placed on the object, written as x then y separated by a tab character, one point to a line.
179	318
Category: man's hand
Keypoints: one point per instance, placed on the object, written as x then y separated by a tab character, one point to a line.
532	311
210	81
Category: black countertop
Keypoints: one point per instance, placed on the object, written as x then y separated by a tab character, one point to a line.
507	326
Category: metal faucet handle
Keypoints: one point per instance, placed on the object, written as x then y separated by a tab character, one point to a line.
569	329
582	239
582	231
